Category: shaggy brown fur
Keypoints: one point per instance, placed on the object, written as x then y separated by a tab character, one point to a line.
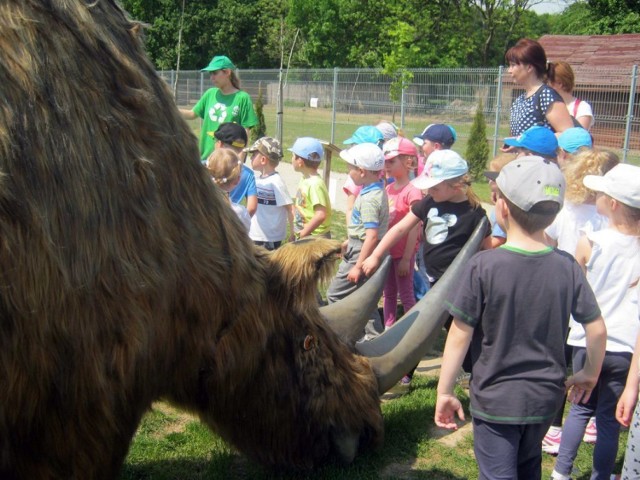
124	276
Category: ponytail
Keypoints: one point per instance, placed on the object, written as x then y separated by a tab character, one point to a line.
233	78
464	182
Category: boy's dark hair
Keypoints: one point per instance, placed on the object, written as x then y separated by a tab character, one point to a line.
309	163
528	152
541	215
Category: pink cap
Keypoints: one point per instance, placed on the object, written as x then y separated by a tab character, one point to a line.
398	146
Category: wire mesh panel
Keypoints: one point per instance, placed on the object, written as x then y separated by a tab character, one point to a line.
332	103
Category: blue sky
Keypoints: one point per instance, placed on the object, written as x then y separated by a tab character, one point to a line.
551	6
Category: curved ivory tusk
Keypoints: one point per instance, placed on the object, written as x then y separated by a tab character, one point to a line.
348	317
399	349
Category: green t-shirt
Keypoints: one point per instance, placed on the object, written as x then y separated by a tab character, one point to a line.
312	191
216	108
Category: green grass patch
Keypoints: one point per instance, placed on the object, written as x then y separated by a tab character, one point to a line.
177	446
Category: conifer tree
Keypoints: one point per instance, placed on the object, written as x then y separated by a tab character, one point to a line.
260	130
477	152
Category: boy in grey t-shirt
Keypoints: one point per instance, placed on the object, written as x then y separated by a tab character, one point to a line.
512	309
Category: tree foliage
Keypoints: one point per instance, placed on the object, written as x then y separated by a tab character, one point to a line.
599	17
260	130
389	34
477	152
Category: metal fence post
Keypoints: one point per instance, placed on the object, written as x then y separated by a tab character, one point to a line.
632	97
201	84
402	104
333	106
496	129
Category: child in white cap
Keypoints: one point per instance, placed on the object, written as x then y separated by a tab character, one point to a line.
450	212
368	223
611	259
577	218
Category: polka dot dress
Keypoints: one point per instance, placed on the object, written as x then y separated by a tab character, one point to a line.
527	112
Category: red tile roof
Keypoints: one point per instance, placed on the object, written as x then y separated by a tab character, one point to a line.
594	51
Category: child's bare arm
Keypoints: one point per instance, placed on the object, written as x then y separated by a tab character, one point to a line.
456	346
409	250
370	242
289	208
398	231
629	397
252	204
581	384
319	216
187	114
583	252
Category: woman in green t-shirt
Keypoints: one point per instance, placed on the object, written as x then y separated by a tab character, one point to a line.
226	102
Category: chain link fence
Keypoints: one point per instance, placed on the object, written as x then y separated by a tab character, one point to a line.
330	103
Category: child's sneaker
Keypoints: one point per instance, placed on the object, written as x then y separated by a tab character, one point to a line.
591	432
406	380
551	441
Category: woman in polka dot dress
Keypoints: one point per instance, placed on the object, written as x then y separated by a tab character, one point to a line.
539	104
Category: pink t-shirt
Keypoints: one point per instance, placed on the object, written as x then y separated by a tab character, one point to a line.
399	205
351	188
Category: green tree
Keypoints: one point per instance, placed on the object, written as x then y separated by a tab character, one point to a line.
477	152
599	17
259	130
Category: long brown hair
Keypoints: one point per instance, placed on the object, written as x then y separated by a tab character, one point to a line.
233	78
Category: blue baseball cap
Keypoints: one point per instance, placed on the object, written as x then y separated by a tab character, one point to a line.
573	138
438	133
365	134
536	139
308	148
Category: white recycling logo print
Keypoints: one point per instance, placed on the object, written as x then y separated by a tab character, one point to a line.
218	112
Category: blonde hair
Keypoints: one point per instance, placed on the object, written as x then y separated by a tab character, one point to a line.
224	166
464	183
587	162
499	161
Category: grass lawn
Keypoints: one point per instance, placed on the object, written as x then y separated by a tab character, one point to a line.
171	444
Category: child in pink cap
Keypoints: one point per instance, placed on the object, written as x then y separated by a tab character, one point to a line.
400	159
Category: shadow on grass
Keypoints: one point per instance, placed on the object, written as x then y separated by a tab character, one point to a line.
169	447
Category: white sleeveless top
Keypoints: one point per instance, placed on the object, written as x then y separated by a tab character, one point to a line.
613	272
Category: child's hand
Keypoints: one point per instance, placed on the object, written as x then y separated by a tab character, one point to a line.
403	267
370	265
343	248
579	387
354	274
626	405
446	408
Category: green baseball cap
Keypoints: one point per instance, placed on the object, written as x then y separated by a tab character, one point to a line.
218	63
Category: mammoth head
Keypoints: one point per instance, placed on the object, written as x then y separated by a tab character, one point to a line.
313	393
301	395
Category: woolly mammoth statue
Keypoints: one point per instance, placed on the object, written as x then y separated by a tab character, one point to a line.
125	277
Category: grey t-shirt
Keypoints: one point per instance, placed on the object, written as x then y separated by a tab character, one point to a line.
519	304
